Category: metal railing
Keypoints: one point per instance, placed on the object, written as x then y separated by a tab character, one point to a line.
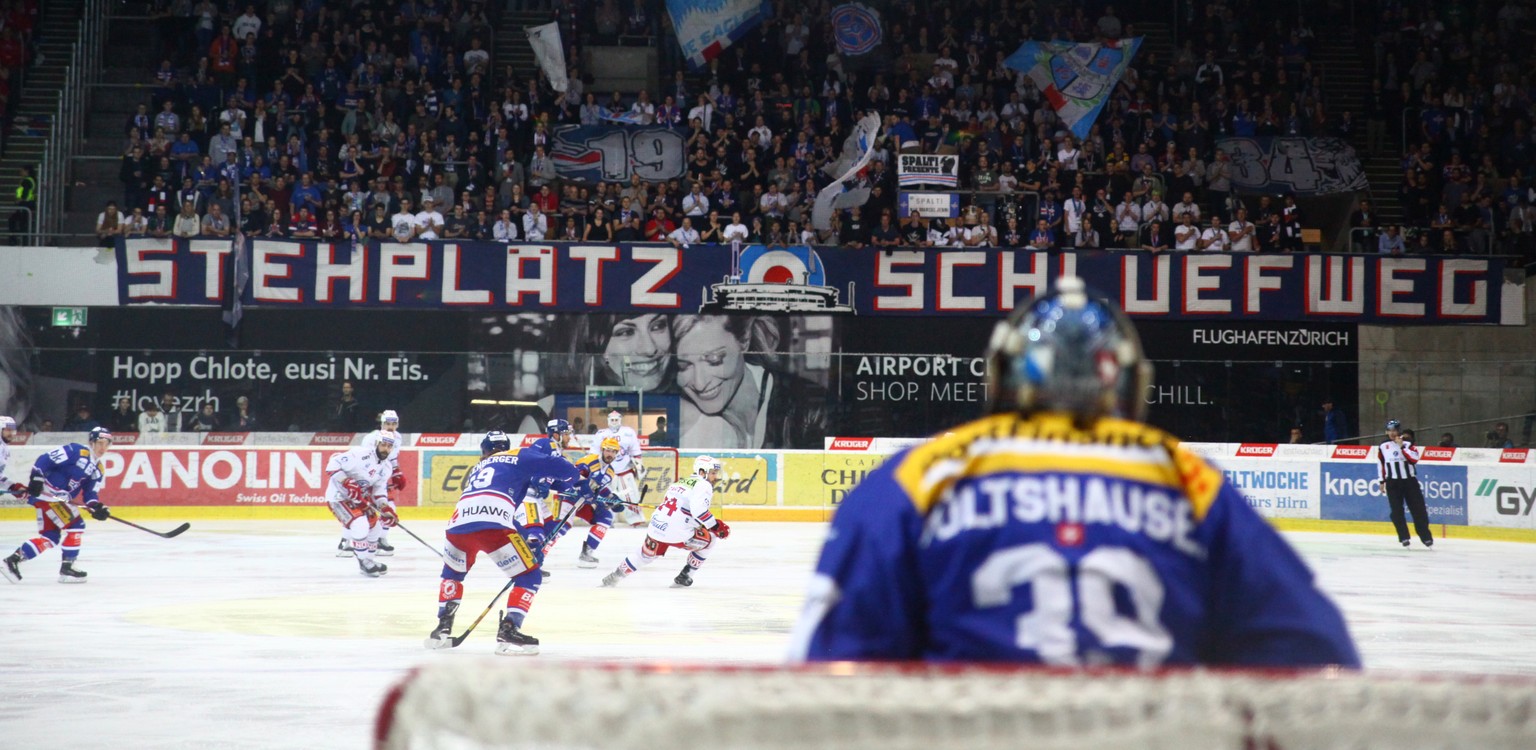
68	124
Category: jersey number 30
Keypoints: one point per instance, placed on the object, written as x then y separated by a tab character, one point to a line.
1047	629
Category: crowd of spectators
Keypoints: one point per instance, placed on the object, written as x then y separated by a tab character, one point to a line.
1454	82
380	120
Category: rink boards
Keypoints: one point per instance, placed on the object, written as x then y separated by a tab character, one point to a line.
1487	493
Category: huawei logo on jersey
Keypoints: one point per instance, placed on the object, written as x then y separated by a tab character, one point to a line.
1351	451
1514	455
851	444
1263	450
1437	454
445	440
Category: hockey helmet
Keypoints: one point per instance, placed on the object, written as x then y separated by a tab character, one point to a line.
495	441
1067	350
7	426
1394	425
615	419
389	417
557	428
609	444
705	464
99	433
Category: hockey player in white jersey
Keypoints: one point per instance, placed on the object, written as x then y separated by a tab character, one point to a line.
7	482
628	473
682	519
357	491
389	424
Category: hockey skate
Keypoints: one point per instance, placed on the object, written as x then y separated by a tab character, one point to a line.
442	635
372	570
586	560
513	642
1405	543
612	579
683	579
10	567
385	549
68	574
344	548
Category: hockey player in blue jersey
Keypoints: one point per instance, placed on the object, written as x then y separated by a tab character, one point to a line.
1057	530
60	477
485	521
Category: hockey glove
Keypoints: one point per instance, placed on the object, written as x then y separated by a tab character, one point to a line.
98	511
397	481
535	536
388	517
18	489
721	529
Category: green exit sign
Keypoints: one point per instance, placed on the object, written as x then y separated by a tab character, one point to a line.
69	316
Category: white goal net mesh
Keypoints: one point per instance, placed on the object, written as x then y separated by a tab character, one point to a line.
497	704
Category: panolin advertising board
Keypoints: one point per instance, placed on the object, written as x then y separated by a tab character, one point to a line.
219	476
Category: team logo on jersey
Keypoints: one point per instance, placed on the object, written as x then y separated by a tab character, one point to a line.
449	591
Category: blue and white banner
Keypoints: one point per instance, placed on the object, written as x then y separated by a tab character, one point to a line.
614	153
858	147
660	278
857	29
706	27
1075	78
550	53
1304	166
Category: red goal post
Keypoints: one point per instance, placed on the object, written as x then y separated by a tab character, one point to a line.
613	706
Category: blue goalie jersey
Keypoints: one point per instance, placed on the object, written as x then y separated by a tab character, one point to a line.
1030	539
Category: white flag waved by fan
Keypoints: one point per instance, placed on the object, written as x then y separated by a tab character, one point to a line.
857	150
550	53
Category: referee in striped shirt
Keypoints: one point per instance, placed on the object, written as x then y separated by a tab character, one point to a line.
1399	478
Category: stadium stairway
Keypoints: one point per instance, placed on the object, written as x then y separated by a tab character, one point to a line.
38	98
125	83
1345	64
512	46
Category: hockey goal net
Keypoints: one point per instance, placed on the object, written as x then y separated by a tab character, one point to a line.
662	468
496	704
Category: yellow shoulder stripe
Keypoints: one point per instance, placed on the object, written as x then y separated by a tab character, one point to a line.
928	470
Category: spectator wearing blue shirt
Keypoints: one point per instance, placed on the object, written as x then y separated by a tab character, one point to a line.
1391	242
1334	428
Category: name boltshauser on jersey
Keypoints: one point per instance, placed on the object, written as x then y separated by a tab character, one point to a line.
993	502
1298	337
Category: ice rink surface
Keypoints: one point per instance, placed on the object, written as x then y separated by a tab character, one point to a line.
253	635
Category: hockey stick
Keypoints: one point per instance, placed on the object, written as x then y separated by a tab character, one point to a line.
538	561
163	535
402	527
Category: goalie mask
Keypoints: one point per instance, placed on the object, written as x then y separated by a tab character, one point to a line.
1068	351
495	441
615	419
